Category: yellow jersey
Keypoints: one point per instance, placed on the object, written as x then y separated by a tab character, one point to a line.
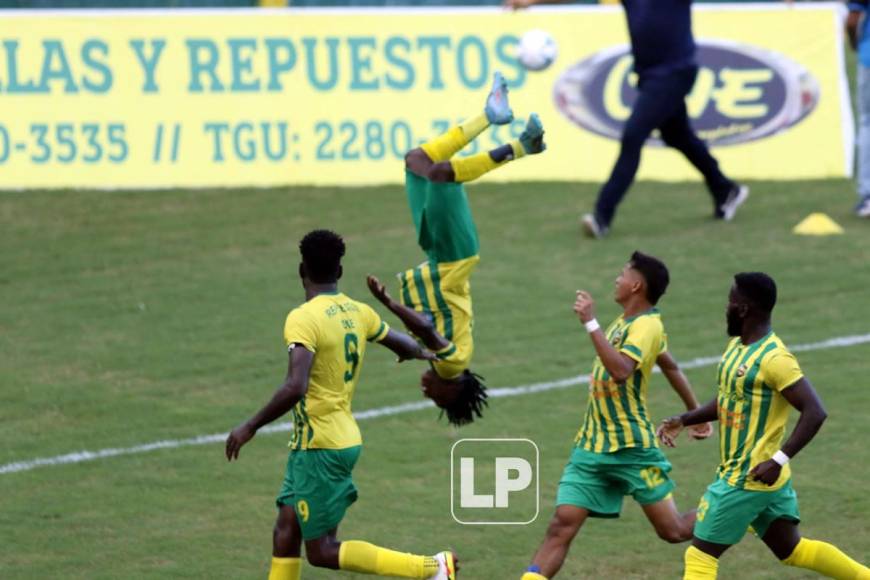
442	292
336	329
616	413
752	411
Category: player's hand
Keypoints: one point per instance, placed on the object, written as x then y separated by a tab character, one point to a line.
669	430
766	472
700	431
517	4
238	437
421	354
378	290
584	306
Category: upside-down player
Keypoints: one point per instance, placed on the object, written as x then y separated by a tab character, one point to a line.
616	453
436	295
326	337
759	381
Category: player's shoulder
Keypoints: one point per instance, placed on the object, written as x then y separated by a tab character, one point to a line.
649	321
357	306
775	349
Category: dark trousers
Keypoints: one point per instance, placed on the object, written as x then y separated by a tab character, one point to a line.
660	105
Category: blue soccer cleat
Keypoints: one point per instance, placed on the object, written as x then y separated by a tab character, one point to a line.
497	109
532	137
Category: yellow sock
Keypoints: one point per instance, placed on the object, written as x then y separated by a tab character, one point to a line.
826	559
533	576
370	559
699	566
285	569
445	146
472	167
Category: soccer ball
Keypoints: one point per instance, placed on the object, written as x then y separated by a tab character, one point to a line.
537	50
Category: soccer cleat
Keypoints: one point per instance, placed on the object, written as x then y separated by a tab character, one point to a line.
736	197
447	566
862	210
592	227
497	109
532	137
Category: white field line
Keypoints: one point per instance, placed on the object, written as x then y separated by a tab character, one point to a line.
82	456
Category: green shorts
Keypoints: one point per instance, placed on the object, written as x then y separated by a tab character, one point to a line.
599	481
726	512
319	486
442	217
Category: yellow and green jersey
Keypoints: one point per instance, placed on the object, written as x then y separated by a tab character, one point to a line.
752	410
616	414
442	292
336	329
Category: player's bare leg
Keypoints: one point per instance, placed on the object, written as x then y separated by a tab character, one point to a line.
670	525
286	546
549	558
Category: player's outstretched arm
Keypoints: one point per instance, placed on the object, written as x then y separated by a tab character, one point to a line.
618	365
405	347
680	383
285	398
671	427
415	322
803	397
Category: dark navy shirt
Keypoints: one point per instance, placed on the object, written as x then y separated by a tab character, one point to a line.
661	35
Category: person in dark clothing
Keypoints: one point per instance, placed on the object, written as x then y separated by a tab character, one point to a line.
664	59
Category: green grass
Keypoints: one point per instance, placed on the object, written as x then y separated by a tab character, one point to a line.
133	317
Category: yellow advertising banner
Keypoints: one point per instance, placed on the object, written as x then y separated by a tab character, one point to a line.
140	99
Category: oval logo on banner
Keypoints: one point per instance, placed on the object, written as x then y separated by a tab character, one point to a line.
742	93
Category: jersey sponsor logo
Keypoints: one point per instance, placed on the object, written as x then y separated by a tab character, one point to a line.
616	339
742	93
733	419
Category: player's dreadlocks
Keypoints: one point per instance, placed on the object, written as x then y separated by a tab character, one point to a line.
470	400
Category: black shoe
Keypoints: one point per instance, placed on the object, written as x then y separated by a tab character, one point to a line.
592	227
728	208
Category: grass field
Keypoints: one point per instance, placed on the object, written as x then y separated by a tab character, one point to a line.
135	317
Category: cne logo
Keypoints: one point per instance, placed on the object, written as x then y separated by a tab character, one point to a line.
742	93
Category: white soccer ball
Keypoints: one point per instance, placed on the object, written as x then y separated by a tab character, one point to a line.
537	50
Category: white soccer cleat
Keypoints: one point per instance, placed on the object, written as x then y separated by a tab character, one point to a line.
446	566
736	198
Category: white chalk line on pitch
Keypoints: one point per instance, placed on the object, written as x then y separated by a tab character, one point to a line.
83	456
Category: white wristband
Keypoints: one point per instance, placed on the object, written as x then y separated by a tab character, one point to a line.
592	325
780	458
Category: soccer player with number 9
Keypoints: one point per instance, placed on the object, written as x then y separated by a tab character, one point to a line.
326	339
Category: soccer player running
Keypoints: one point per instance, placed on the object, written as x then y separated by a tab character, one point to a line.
616	452
759	381
326	338
663	49
436	295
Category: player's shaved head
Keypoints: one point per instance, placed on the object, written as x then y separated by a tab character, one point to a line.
322	251
758	289
654	272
